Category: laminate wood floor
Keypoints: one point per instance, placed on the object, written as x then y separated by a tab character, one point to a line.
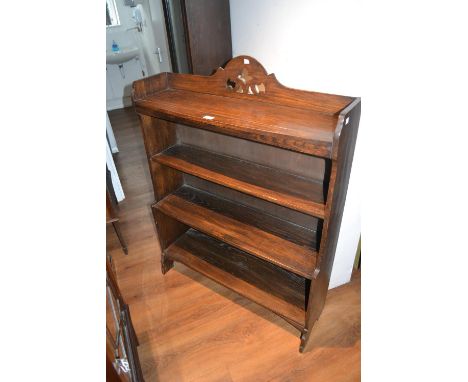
192	329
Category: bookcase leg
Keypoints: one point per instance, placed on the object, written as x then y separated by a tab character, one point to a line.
305	336
304	340
169	230
166	264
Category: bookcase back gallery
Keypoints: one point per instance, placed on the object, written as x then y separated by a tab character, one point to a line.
250	179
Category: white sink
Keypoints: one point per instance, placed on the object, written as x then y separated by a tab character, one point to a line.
123	55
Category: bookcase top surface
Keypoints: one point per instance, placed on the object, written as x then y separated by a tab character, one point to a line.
243	100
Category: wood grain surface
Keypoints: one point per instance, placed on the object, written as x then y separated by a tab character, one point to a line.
244	236
193	329
246	105
247	275
208	34
296	129
242	100
299	193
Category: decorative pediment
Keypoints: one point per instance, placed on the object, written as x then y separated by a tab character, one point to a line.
244	75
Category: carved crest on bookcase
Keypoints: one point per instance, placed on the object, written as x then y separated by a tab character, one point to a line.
245	76
244	84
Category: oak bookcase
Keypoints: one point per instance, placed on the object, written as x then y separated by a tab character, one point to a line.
250	180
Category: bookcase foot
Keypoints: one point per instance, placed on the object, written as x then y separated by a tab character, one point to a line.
305	336
166	264
304	340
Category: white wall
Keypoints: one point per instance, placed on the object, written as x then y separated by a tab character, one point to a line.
308	45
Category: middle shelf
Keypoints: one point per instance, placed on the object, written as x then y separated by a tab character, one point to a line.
280	242
301	194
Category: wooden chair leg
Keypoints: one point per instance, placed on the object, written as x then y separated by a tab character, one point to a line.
116	226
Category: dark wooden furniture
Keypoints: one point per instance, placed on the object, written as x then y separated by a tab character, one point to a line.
111	218
199	34
122	362
250	179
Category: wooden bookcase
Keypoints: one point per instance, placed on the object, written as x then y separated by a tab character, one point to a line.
250	180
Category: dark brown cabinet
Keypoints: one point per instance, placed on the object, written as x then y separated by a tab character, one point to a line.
122	362
250	180
199	34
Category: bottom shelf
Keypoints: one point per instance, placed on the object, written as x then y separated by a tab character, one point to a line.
276	289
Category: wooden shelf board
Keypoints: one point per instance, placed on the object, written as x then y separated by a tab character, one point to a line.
289	231
292	191
298	129
281	291
261	235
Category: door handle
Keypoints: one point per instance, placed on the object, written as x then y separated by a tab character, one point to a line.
158	52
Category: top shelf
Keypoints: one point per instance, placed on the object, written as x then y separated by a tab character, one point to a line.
243	101
294	129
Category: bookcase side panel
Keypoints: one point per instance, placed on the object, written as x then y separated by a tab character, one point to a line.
159	135
169	230
338	186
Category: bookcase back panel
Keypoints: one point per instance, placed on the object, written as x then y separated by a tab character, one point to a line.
284	213
282	159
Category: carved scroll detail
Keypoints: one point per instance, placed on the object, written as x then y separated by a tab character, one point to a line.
244	83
